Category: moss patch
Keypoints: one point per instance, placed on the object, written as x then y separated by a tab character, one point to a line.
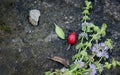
5	28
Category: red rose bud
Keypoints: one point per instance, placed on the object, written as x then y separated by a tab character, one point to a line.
72	38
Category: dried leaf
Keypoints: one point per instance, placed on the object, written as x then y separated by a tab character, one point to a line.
60	60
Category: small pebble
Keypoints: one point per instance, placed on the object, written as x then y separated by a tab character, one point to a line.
34	16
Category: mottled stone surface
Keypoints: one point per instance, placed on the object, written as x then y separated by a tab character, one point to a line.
112	9
23	49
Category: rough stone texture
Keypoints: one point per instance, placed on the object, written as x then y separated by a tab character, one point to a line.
75	3
24	51
51	37
112	9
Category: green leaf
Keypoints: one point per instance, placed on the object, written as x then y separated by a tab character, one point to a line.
79	37
85	18
103	33
96	29
47	73
72	66
88	44
80	45
103	29
76	56
89	29
114	63
88	4
84	28
104	26
95	37
67	72
107	65
108	42
118	63
86	12
83	53
99	66
59	32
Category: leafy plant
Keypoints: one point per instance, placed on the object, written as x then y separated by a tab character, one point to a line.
92	52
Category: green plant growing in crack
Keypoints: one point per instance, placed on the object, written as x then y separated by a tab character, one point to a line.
92	52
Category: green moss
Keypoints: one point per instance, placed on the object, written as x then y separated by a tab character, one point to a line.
5	28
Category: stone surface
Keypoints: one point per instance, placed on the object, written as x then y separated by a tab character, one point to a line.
24	50
34	16
51	37
112	9
75	3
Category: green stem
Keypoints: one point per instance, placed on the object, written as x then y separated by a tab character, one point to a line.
82	58
100	59
53	73
75	68
90	59
81	42
91	40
